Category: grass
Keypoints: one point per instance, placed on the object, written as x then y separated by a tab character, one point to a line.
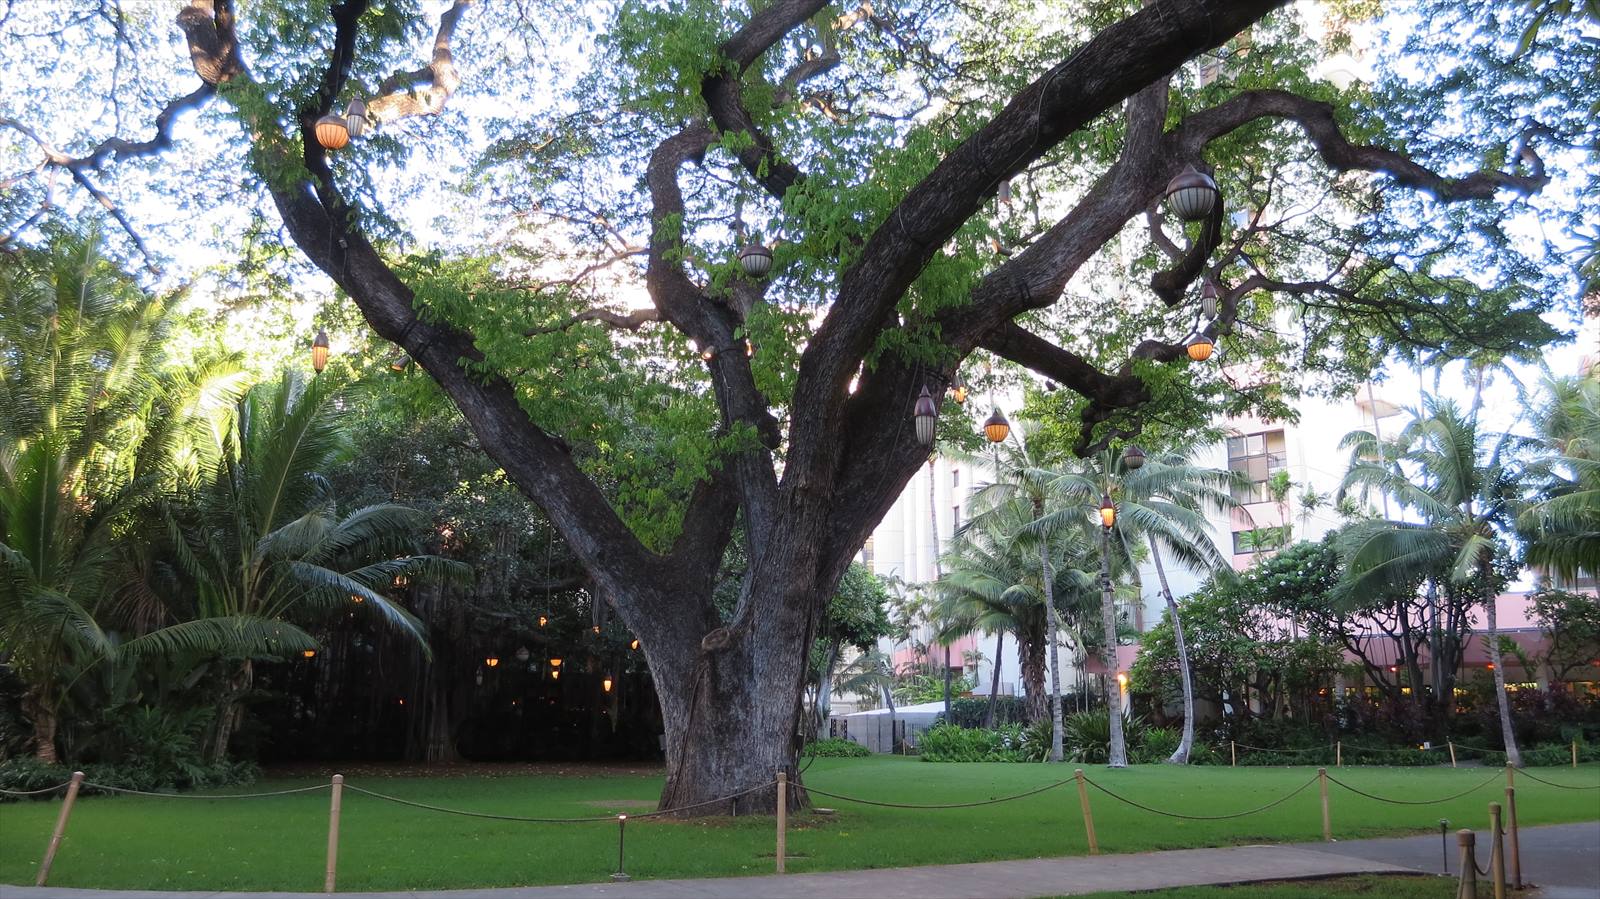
279	843
1337	888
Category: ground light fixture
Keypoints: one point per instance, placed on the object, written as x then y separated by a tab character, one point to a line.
995	428
755	259
1192	195
333	131
1133	457
926	415
319	351
1199	346
1108	511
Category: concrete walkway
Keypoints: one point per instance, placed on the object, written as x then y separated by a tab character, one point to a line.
1001	880
1562	859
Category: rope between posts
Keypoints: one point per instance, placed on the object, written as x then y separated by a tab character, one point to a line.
1156	811
1475	789
1328	748
110	789
531	820
1524	773
1033	792
35	792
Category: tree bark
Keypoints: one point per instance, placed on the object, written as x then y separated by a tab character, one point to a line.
1055	661
1507	733
994	680
229	710
1118	754
45	724
1185	745
1030	655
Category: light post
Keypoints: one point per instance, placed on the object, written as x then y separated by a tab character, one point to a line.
1117	757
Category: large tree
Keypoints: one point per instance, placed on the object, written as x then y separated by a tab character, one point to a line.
870	139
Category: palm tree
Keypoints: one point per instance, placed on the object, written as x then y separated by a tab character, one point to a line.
89	422
1463	489
1164	503
267	551
1562	526
1027	493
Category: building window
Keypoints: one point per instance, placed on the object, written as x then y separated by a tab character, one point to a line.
866	554
1257	457
955	477
955	517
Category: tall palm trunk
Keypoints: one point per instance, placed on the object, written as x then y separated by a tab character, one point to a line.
1118	756
1031	657
1055	662
45	723
994	680
1513	756
1186	745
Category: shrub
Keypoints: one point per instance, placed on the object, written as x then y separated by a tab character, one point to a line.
1156	745
949	743
1036	739
835	748
27	773
1086	736
969	711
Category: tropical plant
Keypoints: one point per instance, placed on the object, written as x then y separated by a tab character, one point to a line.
1562	525
1464	489
268	553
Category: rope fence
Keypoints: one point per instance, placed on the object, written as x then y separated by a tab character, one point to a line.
782	791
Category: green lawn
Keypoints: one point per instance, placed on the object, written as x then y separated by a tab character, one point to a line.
279	843
1338	888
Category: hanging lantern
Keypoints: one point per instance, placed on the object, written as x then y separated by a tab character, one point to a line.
1208	299
333	131
606	684
597	628
555	674
358	600
555	663
958	389
926	415
755	259
1108	511
309	653
1192	195
1199	346
996	427
634	645
708	354
522	653
543	621
1003	193
319	351
355	117
749	349
1133	457
491	661
400	363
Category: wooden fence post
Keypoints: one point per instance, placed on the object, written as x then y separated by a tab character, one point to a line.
1574	752
1233	754
1468	887
61	828
783	817
1338	754
1516	843
1088	815
1327	825
1497	852
333	833
1452	745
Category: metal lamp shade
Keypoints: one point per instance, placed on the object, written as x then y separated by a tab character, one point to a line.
1192	195
1199	346
756	260
1208	300
996	427
355	117
319	351
926	416
1133	458
333	132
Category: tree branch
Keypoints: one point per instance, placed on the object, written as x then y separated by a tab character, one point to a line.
403	94
631	321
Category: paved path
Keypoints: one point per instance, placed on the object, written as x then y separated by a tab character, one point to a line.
1001	880
1562	859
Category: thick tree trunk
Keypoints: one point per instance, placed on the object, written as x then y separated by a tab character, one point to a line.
1030	655
230	710
1509	735
1055	660
1118	754
994	680
1185	745
45	725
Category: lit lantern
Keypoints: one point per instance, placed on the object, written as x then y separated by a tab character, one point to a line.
1133	457
1192	195
1199	346
755	259
749	349
597	628
555	674
543	621
926	415
606	684
333	131
357	599
309	653
555	663
491	661
1208	299
1108	511
996	427
1122	680
958	390
400	363
708	354
355	117
319	351
634	645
